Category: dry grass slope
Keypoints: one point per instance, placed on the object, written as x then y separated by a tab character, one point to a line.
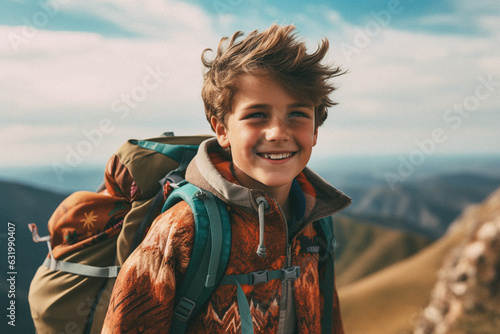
389	301
363	248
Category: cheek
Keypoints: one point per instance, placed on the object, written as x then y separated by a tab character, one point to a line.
245	139
307	139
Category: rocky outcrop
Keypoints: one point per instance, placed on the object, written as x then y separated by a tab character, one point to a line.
466	297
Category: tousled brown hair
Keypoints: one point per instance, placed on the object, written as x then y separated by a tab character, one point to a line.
275	52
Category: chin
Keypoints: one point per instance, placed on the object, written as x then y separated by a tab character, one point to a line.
274	183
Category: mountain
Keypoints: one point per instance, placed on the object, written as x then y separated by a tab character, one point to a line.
426	206
20	205
23	203
391	300
362	248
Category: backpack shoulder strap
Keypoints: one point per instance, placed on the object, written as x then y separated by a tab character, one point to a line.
324	228
210	254
325	231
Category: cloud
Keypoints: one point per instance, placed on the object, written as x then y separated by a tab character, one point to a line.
74	146
154	18
25	144
64	70
401	82
78	79
410	72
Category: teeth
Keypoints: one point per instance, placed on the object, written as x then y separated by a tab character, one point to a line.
278	156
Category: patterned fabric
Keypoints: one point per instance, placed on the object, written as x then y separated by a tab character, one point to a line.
143	297
84	219
119	181
142	300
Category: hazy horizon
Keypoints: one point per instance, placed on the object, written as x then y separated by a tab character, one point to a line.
339	170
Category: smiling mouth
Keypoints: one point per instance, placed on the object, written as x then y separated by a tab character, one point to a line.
276	156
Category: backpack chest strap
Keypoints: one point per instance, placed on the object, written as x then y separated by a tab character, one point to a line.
263	276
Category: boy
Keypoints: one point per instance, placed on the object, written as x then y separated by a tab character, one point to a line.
265	98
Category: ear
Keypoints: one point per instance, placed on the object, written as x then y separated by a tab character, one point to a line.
221	132
315	140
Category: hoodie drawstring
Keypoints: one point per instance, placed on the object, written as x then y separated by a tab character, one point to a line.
263	204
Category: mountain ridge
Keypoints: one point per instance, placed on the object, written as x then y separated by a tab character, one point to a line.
426	207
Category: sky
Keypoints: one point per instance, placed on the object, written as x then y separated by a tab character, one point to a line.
78	78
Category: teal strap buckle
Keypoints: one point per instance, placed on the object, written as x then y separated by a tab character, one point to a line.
184	309
257	277
263	276
291	274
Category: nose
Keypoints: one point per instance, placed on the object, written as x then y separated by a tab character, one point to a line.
277	131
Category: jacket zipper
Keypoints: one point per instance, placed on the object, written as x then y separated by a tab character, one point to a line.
285	285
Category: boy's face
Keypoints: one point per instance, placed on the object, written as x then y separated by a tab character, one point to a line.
271	134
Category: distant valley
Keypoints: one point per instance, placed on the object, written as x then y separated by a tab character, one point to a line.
426	207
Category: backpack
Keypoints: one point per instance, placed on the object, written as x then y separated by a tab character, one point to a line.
92	233
71	290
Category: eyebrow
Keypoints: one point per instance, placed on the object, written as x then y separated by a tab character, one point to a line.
293	105
258	106
301	105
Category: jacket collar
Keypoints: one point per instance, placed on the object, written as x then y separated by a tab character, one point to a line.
210	170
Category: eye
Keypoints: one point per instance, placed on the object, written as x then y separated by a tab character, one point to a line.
299	113
258	114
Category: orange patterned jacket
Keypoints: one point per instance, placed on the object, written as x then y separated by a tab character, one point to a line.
143	296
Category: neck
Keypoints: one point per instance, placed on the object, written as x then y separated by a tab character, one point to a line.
281	196
279	193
